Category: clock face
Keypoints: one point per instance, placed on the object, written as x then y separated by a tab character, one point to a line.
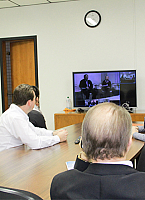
92	18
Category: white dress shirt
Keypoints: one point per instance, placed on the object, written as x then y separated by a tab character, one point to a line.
15	130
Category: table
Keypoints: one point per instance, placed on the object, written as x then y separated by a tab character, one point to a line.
63	119
33	170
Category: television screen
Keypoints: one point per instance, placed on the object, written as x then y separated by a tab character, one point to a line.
91	88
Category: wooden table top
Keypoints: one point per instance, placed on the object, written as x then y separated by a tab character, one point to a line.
33	170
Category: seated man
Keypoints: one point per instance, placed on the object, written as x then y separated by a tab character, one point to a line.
102	171
35	116
15	128
86	86
106	86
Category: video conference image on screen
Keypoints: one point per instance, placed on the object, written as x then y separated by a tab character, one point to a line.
92	88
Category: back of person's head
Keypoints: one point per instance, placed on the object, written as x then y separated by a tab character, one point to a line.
22	94
36	90
86	75
106	131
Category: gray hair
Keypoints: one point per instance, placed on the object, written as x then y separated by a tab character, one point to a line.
106	131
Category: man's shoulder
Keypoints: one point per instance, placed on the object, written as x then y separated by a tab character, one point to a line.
37	119
35	112
67	174
13	111
83	80
12	116
121	170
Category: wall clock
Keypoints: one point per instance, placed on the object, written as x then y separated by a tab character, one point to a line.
92	18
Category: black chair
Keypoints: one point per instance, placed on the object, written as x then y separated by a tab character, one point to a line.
141	161
14	194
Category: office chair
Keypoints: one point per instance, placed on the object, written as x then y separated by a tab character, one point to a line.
141	161
14	194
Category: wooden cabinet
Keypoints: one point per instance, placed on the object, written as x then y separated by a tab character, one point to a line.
137	117
66	119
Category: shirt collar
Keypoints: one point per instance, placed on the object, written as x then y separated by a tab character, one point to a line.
125	162
19	109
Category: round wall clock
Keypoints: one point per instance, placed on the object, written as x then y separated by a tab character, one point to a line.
92	18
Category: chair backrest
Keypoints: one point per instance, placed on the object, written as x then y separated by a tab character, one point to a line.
14	194
141	161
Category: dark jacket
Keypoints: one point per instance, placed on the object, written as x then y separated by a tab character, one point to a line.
83	84
37	119
99	181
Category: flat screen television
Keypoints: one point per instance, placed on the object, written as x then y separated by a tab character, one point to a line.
94	87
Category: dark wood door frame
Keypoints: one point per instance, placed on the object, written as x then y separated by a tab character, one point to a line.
34	37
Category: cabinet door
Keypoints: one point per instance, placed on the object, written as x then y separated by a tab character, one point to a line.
63	120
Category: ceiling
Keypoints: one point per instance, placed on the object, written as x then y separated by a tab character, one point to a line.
19	3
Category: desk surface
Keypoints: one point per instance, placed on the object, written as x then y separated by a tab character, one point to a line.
33	170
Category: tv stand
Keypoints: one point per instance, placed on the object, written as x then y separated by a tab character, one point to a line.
63	119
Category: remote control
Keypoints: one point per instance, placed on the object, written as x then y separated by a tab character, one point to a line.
77	141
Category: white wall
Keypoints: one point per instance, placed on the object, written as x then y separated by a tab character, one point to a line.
140	51
66	44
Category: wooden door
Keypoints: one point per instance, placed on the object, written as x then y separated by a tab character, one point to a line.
5	88
19	66
22	62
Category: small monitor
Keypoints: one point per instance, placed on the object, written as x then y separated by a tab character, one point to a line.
94	87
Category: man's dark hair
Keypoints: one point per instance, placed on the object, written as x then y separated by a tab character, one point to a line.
85	75
22	94
36	90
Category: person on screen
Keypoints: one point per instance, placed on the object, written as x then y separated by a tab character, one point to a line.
106	86
101	169
133	77
35	116
86	86
16	129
